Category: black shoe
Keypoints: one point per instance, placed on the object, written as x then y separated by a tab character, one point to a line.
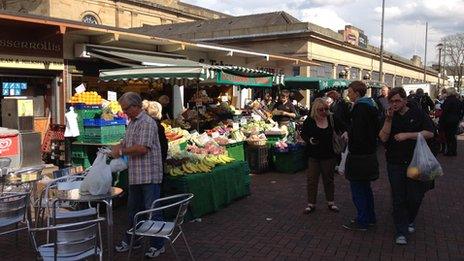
353	220
355	226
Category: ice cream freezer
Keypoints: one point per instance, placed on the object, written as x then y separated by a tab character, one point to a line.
23	148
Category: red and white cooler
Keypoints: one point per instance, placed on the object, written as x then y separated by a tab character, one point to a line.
10	146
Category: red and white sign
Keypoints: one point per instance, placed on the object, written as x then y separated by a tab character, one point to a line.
9	146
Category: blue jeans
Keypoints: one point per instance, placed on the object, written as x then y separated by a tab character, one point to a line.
407	197
363	199
140	198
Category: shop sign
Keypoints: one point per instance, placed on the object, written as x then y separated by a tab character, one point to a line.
13	88
31	63
227	78
9	146
31	40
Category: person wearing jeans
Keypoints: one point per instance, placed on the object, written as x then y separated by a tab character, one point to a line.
363	199
402	124
142	146
361	167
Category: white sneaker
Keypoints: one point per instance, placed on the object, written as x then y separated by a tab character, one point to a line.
411	228
401	240
153	252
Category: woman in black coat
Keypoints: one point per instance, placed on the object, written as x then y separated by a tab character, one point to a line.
449	120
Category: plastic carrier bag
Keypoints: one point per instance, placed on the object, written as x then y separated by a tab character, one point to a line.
98	179
118	165
341	166
424	166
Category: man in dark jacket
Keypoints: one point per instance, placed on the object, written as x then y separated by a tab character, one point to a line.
362	165
424	101
449	120
340	108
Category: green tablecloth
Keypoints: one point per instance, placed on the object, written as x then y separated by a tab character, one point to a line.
212	190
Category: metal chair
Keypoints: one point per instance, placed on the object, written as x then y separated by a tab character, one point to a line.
162	229
72	241
14	211
44	205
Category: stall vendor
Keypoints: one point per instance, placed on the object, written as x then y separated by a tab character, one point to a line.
284	111
167	110
268	102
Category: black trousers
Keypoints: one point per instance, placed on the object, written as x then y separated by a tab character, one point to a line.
407	197
451	141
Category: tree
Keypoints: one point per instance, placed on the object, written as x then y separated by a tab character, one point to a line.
453	58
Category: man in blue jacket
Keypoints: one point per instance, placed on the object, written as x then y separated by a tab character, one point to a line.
362	165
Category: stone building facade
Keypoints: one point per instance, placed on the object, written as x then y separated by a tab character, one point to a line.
116	13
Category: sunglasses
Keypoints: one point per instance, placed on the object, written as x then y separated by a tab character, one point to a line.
323	109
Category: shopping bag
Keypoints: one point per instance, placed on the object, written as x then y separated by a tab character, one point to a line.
341	166
118	165
98	179
424	166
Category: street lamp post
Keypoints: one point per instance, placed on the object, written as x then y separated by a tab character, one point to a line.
460	78
440	48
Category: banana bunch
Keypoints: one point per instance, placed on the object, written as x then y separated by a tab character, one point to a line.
204	165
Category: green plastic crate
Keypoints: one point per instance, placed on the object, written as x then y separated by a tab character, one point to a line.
236	151
78	151
104	134
289	162
84	162
273	139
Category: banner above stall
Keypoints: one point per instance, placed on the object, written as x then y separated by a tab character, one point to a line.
313	83
208	74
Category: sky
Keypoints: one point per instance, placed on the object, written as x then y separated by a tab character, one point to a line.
404	31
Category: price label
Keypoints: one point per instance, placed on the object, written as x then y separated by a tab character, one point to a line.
215	134
80	88
112	96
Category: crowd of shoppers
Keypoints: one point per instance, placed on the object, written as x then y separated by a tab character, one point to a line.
392	121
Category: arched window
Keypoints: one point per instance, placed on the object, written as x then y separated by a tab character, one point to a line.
90	19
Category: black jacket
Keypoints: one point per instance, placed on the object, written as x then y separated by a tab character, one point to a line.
341	109
364	128
451	111
361	163
163	140
319	141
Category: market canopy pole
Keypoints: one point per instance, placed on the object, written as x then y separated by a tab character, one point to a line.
381	78
425	52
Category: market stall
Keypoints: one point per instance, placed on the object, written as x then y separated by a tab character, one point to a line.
205	159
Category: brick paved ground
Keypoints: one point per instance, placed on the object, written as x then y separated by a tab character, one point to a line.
270	225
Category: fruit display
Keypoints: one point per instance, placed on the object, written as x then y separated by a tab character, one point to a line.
237	135
202	165
256	127
88	98
114	107
173	134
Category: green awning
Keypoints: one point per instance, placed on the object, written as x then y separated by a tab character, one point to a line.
314	83
198	73
218	75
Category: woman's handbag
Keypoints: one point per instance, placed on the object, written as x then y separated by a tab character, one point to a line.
338	142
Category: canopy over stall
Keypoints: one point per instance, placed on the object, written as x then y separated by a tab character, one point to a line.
313	83
200	73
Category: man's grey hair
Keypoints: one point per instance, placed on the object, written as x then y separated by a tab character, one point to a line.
131	99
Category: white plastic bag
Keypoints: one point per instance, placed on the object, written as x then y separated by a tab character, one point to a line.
341	166
424	166
118	165
98	180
